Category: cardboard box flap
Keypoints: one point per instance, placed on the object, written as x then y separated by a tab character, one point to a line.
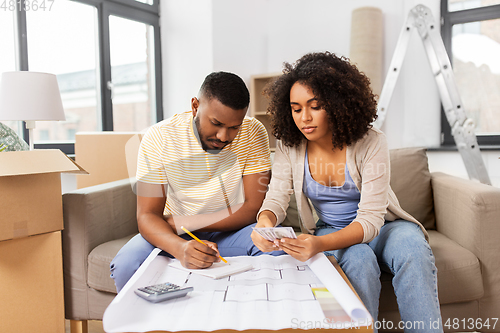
16	163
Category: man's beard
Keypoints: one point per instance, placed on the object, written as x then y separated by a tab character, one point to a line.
202	139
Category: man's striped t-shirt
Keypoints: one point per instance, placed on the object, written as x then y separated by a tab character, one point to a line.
200	182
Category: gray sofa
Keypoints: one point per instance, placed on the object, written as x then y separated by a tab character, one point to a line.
462	217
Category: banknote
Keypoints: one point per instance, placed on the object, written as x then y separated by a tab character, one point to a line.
276	233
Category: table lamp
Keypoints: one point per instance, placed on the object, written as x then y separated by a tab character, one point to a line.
30	96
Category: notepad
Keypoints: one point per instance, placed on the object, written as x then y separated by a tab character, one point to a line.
217	270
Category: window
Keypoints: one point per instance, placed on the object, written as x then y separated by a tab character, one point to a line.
132	73
63	42
471	34
8	54
455	5
105	54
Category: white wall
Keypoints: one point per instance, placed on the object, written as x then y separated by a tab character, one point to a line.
187	50
253	37
256	36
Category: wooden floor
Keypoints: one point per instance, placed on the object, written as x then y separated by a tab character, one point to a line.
95	326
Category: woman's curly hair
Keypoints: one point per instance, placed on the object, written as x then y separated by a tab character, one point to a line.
340	88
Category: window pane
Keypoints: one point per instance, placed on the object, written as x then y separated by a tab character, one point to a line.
476	54
63	41
454	5
8	55
132	73
149	2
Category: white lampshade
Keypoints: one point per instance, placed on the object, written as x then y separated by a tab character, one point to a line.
30	96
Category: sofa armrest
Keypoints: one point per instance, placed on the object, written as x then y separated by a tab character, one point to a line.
468	213
92	216
98	214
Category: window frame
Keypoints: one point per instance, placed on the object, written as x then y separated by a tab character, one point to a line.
448	19
128	9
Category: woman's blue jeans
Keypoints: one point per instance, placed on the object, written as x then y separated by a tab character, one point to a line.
400	249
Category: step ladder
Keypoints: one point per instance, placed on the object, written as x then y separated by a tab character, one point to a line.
462	127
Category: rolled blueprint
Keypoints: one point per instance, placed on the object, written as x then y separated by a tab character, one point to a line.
367	40
339	289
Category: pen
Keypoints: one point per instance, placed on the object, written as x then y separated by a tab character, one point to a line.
197	239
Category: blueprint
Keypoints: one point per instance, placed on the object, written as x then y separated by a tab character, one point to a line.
276	294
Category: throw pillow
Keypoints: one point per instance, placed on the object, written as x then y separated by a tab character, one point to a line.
411	182
10	141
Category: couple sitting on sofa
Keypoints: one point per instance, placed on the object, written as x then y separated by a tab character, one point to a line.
209	170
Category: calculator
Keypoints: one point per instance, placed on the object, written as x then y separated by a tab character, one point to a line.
162	292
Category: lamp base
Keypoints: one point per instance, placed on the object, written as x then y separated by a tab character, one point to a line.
30	125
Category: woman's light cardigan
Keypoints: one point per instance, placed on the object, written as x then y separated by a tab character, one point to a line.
369	166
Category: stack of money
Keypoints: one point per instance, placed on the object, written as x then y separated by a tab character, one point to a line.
276	233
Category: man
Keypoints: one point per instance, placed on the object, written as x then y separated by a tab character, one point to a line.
206	170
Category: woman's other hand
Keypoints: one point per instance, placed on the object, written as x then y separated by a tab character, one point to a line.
302	248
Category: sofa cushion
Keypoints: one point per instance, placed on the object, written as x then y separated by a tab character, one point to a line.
411	182
459	270
98	264
459	274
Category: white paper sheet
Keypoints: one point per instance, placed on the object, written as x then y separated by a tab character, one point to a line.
217	270
277	292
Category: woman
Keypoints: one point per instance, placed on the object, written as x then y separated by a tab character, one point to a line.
321	110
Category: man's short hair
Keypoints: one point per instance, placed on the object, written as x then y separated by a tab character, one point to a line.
228	88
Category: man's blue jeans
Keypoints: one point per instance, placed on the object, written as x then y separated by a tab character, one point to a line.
400	249
133	254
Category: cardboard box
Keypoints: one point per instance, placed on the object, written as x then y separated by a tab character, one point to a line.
30	191
31	284
31	220
107	156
